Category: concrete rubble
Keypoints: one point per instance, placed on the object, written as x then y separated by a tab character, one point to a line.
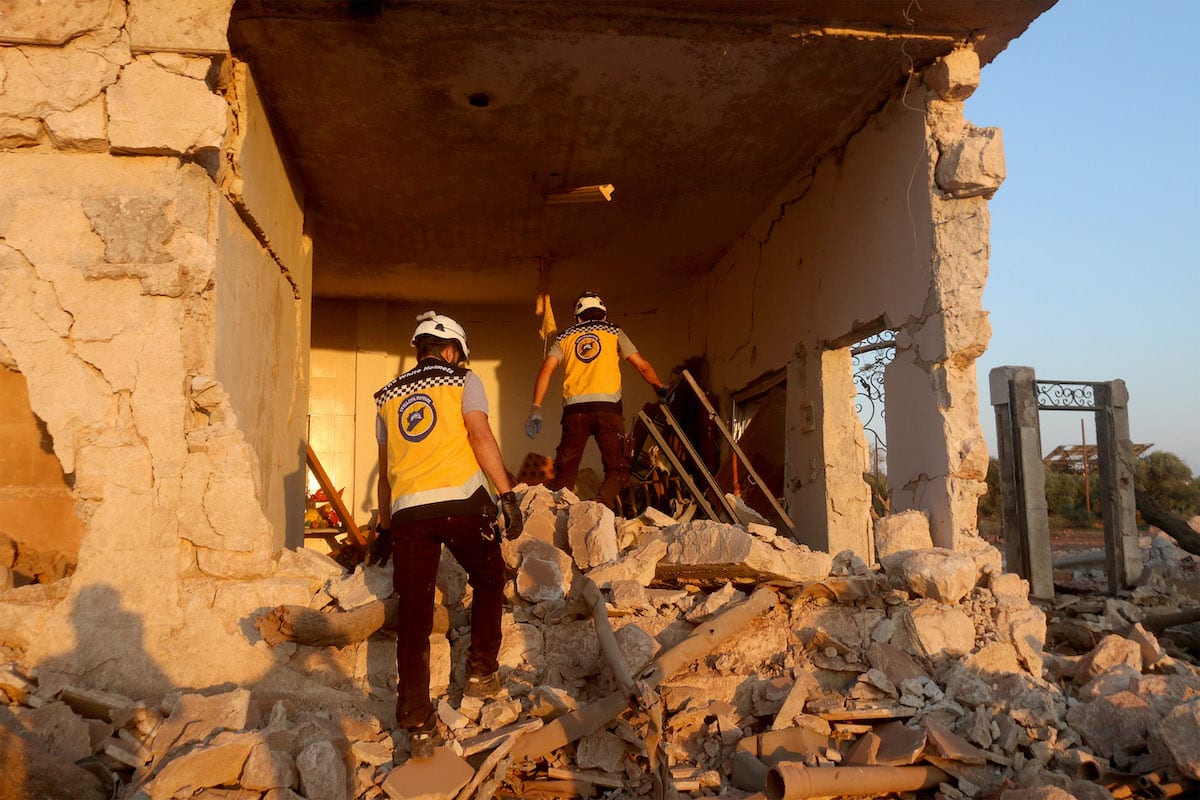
932	670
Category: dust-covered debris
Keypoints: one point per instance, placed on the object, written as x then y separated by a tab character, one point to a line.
935	662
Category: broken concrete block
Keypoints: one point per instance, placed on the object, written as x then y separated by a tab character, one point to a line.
39	81
1026	629
637	565
1111	651
152	110
195	717
714	603
542	523
545	573
637	647
521	643
708	548
954	76
1009	588
499	713
214	764
268	769
994	658
376	754
550	701
652	516
52	23
1117	678
974	165
628	596
905	530
745	514
437	778
600	750
64	733
934	629
592	532
1179	734
366	585
937	573
1116	727
322	772
441	663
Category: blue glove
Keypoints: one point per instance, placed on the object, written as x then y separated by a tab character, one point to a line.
533	425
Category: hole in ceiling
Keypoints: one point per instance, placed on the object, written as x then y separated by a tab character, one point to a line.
479	99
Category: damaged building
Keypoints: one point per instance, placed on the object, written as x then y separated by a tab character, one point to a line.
218	221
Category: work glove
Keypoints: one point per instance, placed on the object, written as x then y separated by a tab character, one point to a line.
381	548
511	511
662	392
533	425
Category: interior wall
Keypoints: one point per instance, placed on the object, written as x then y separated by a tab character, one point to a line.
358	346
37	509
838	250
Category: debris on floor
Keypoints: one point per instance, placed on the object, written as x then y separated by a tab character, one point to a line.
651	658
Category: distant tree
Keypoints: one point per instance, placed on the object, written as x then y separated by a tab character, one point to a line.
989	503
1166	478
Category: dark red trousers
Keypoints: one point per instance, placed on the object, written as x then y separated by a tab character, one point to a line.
416	550
608	427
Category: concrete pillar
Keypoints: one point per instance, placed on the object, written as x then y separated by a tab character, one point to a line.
826	454
1024	515
1122	557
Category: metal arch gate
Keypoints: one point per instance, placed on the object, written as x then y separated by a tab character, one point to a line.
1018	397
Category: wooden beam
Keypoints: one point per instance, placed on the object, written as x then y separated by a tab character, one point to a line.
343	514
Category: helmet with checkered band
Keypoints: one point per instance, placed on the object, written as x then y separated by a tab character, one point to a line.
440	326
587	301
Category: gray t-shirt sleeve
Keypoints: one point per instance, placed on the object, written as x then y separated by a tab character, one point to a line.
380	429
555	350
474	397
625	345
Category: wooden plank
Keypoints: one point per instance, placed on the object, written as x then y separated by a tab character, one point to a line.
691	451
343	514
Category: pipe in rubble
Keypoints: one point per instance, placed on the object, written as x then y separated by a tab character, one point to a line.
792	781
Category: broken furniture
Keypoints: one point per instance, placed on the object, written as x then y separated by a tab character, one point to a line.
356	539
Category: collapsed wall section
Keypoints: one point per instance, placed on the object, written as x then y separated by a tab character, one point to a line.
160	332
886	233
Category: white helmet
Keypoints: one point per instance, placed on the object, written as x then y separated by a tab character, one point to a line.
589	300
432	323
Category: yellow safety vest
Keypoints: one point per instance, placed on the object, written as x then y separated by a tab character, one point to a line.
591	363
429	458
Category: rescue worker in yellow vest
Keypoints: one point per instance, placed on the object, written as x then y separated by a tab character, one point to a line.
591	352
437	456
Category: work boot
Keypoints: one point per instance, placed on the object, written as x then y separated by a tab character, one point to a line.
423	739
482	686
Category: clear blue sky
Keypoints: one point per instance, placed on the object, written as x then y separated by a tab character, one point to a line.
1095	264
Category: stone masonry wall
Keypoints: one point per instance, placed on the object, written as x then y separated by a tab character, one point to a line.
119	124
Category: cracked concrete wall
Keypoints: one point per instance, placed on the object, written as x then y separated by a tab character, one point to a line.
889	232
156	280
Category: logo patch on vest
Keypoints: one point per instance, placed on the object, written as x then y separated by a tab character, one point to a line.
587	347
417	417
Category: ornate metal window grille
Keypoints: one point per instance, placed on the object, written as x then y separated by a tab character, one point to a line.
870	358
1066	395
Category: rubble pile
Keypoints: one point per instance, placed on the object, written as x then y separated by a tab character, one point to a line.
646	657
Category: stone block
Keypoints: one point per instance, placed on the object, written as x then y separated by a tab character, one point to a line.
215	764
64	733
601	750
934	629
592	533
1179	734
376	754
1026	629
637	646
714	602
628	596
905	530
152	110
550	701
549	572
499	713
268	769
1116	727
938	574
521	643
366	585
441	663
18	132
316	568
1111	651
637	565
972	166
437	778
83	128
39	81
322	772
722	549
193	27
53	23
196	717
954	76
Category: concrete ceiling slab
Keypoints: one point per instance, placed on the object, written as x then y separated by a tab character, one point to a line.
427	134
